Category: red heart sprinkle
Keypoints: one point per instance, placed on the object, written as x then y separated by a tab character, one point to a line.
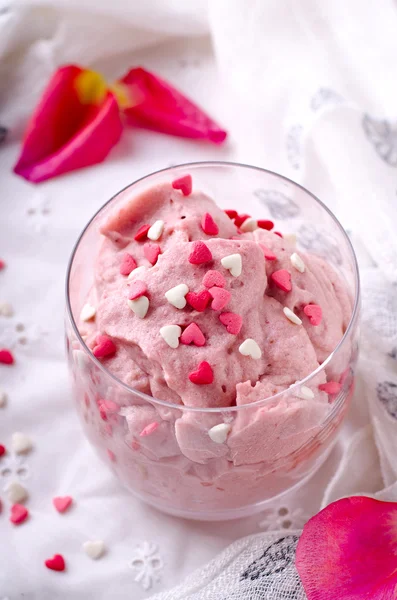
56	563
282	279
314	312
62	503
149	429
198	301
214	278
19	514
6	357
204	374
104	346
151	252
128	264
193	334
232	322
2	264
208	225
136	289
200	253
2	450
220	298
278	233
239	220
265	224
331	387
268	254
184	184
141	234
232	214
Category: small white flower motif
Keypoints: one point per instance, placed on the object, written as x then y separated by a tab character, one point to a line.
148	564
37	211
13	468
17	334
283	518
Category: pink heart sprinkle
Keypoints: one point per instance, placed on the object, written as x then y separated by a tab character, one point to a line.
2	264
314	313
149	429
267	253
282	279
56	563
200	253
208	225
204	374
151	252
265	224
6	357
19	514
128	264
193	334
136	289
141	234
214	278
62	503
198	301
104	346
2	450
331	387
184	184
220	298
232	322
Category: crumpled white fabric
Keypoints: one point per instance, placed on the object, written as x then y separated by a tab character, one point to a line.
304	88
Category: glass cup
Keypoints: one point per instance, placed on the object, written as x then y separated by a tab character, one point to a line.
270	448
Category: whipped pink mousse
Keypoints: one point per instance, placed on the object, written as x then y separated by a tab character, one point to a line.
202	308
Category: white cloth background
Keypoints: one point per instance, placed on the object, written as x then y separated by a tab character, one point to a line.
304	88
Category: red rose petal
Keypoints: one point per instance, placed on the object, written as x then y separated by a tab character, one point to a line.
198	301
56	563
265	224
136	289
268	254
19	514
282	279
232	322
214	278
200	253
239	220
193	334
314	313
348	551
151	252
128	264
220	298
331	387
208	225
204	374
154	104
62	503
184	184
2	450
104	346
6	357
141	234
232	214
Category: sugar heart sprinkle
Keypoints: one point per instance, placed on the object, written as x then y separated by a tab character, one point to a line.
232	214
249	224
297	262
56	563
137	271
265	224
291	316
3	399
200	253
184	184
232	322
331	387
16	493
233	263
156	230
104	346
208	225
2	265
176	295
6	357
87	312
219	433
267	253
250	348
136	289
128	264
199	301
282	279
303	392
149	429
21	443
214	278
19	514
2	450
220	297
239	219
94	548
140	306
141	234
204	374
314	314
193	334
151	252
171	335
62	503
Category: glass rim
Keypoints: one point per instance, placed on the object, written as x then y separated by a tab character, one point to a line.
217	409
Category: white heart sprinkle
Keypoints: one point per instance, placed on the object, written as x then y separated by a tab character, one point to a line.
249	225
87	312
20	443
176	295
292	316
297	262
250	348
171	335
140	306
94	549
156	230
233	263
291	238
219	433
6	309
3	399
303	392
15	492
138	271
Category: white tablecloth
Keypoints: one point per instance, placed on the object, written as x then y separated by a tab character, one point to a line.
292	83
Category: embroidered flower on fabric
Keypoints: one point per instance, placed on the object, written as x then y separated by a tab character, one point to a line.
279	205
14	468
383	137
283	518
294	145
148	564
387	395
